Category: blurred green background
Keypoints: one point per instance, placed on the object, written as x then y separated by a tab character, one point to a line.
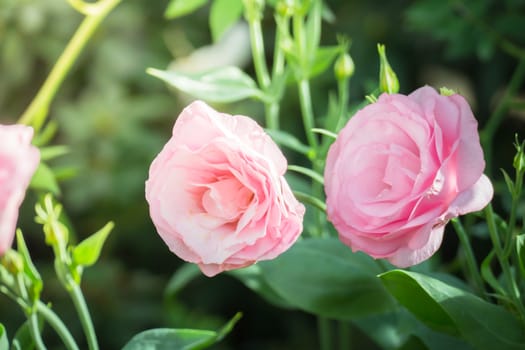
116	118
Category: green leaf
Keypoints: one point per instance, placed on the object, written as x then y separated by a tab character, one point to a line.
179	8
179	339
454	311
324	277
44	179
30	270
508	181
520	246
253	278
324	57
226	84
223	14
50	152
288	140
87	252
4	342
23	339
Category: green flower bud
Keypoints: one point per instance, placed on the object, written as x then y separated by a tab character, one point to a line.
13	262
285	8
388	81
446	91
253	9
519	158
344	67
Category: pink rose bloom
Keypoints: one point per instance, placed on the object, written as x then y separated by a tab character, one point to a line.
18	161
217	194
400	169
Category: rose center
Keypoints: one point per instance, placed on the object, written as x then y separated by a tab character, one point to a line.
226	199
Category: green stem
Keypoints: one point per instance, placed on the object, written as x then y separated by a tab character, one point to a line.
511	234
325	338
38	109
56	323
83	312
32	318
345	336
495	120
261	71
305	100
471	260
510	282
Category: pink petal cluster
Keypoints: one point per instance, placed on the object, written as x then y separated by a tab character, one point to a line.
18	161
217	195
400	169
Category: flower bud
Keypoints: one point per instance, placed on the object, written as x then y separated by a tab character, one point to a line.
285	8
13	262
519	158
344	67
388	81
253	9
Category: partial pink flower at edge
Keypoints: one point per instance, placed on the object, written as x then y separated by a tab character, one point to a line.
18	162
217	194
400	170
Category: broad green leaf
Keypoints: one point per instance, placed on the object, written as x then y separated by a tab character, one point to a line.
455	311
44	179
179	8
223	14
226	84
4	342
520	246
324	277
252	278
30	270
87	252
184	275
179	339
288	140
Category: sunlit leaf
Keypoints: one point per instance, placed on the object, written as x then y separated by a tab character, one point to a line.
179	8
226	84
44	179
87	252
223	14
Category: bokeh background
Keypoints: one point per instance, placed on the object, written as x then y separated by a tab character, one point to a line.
116	118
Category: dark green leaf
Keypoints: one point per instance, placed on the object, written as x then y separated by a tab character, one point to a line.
223	14
87	252
508	181
324	277
454	311
179	8
226	84
44	179
252	278
179	339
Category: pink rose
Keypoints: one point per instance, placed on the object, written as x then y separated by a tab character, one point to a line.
217	194
18	161
400	169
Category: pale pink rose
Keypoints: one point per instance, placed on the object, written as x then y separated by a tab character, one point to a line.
18	161
400	169
217	194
